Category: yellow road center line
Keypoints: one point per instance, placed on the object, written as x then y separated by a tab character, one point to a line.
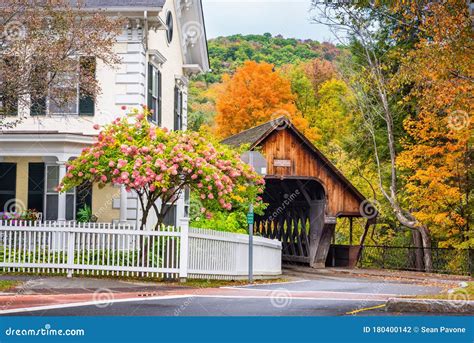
366	309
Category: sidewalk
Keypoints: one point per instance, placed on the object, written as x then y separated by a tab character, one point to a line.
392	275
32	285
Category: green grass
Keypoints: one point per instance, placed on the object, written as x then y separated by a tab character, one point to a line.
6	285
194	283
460	293
199	283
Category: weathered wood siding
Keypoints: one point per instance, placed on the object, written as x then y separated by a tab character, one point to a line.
284	145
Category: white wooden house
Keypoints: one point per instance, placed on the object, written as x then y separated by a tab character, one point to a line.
163	44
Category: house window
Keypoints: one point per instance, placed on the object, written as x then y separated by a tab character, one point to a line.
8	104
187	201
178	109
8	94
52	196
7	187
169	27
170	216
154	93
65	95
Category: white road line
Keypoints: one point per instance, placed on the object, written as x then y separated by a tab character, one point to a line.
171	297
90	303
317	292
284	297
264	284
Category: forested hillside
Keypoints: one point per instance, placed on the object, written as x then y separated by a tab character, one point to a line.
228	53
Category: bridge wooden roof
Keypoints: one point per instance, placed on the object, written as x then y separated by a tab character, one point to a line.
279	139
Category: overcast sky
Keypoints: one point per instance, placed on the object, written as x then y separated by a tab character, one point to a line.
285	17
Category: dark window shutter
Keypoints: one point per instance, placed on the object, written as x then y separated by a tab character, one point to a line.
38	97
8	95
159	107
176	108
86	100
9	104
7	186
150	87
180	110
36	186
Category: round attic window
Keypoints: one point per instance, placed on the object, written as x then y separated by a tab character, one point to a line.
169	27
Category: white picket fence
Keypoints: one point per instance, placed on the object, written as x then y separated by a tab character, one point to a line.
224	255
111	249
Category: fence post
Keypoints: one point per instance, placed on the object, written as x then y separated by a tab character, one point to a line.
183	249
384	250
70	253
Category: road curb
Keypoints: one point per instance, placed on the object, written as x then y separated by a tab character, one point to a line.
430	305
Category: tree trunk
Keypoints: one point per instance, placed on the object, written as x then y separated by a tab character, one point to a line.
413	224
426	239
418	252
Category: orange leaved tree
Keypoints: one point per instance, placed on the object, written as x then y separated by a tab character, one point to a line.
255	94
437	159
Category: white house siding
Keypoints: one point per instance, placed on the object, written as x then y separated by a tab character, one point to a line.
122	84
173	67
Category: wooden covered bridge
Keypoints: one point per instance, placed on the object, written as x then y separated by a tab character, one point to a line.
306	193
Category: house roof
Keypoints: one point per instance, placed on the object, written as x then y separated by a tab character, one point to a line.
256	135
132	4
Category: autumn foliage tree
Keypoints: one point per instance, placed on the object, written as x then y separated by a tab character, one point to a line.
319	71
437	160
41	43
159	165
255	94
413	86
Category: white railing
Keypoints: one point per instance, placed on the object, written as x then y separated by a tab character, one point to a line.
116	249
224	255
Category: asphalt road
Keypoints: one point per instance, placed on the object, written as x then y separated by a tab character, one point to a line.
352	285
211	306
332	296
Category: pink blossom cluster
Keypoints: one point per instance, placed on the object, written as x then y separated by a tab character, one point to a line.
132	152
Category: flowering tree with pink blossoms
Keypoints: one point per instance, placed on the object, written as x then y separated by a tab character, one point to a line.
159	165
